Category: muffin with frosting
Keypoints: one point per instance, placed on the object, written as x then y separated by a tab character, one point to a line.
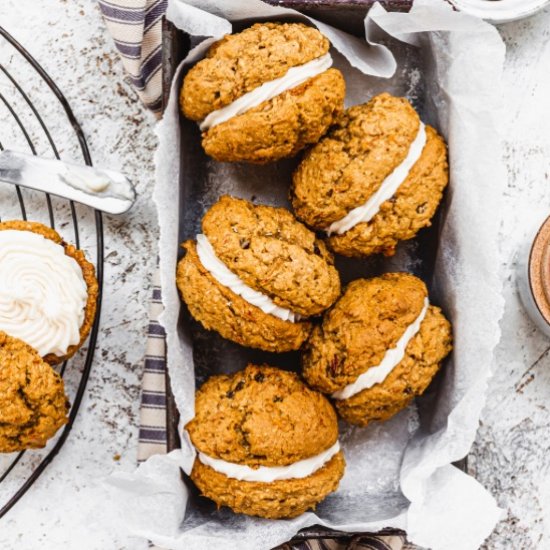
33	405
377	348
264	93
48	290
255	275
267	445
374	180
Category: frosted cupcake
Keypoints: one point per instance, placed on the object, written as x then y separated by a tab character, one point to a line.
48	290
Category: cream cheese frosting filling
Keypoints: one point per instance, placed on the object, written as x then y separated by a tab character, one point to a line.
269	474
392	358
86	181
43	293
388	188
227	278
268	90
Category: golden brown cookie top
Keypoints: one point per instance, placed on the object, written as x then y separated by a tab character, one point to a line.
32	398
34	227
274	254
410	209
240	62
368	320
347	166
261	416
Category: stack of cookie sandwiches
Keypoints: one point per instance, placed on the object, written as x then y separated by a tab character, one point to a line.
263	277
48	295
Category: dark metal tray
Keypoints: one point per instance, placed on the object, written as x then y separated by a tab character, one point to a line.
176	45
211	350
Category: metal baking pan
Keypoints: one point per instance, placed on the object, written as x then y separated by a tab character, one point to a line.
197	193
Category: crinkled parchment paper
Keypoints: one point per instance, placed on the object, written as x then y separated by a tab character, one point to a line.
399	473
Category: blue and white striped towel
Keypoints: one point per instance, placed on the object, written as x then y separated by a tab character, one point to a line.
152	431
136	27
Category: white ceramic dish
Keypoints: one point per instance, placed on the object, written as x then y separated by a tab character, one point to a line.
500	11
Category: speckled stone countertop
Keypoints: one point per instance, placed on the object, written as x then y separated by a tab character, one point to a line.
510	456
63	510
511	453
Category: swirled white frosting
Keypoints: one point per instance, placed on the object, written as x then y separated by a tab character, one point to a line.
227	278
386	191
268	90
268	474
43	294
392	358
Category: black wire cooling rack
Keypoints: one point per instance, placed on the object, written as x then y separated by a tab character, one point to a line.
26	124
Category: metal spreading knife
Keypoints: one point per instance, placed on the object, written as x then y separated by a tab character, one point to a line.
105	190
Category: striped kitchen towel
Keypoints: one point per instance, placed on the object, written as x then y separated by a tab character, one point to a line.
153	437
152	432
136	27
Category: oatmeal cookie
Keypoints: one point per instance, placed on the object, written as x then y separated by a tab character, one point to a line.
264	418
33	405
273	125
256	274
365	326
354	162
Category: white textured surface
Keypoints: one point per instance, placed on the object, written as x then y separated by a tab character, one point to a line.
510	454
63	509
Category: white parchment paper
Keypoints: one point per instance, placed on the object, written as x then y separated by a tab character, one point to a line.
399	473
